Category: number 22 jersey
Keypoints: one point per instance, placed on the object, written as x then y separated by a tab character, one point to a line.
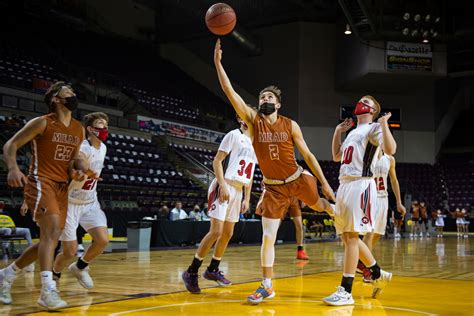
240	164
85	192
358	152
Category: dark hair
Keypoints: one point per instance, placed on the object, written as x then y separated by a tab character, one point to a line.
273	89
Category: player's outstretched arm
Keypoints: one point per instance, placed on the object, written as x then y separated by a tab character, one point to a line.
219	173
336	139
33	128
389	145
245	112
396	186
311	160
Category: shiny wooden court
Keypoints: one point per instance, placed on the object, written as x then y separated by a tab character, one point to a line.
431	277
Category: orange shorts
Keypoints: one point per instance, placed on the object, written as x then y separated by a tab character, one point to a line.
294	210
276	200
46	197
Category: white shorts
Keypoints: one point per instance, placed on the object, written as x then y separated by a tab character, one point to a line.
460	221
355	203
379	222
227	211
87	215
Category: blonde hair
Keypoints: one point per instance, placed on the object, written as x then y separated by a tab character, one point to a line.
378	108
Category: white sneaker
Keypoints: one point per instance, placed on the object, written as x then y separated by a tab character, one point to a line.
466	236
339	298
49	299
82	276
381	283
428	235
30	268
5	287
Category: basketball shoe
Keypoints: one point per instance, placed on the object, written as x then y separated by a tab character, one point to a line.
82	275
50	299
6	282
339	298
261	293
191	282
217	276
301	255
380	283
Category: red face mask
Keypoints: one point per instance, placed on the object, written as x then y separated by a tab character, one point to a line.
362	108
101	133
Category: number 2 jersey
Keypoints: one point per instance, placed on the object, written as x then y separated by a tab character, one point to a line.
240	164
358	152
380	171
85	192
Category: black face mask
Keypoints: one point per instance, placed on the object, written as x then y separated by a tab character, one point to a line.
71	103
266	108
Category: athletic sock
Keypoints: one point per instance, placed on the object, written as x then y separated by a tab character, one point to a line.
375	269
195	265
300	248
81	263
267	282
47	281
347	280
214	265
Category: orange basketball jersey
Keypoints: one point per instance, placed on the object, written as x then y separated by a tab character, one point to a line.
274	147
54	149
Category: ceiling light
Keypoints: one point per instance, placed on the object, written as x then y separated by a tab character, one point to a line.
348	30
437	19
417	18
406	16
425	40
406	31
427	18
414	32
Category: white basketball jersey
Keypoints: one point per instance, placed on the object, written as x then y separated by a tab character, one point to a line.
358	151
84	192
240	163
380	171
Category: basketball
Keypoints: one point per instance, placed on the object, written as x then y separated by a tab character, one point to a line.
220	19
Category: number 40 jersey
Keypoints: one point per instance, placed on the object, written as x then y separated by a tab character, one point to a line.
358	152
85	192
240	163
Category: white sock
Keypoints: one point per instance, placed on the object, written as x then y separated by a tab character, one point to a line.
267	282
217	258
197	257
47	280
12	269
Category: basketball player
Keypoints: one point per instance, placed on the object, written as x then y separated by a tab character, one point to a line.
357	194
415	219
55	139
294	210
84	207
224	203
398	220
384	166
274	140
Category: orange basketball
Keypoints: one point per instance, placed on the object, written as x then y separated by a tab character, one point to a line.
220	19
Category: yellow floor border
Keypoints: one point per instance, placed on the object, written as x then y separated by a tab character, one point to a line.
300	295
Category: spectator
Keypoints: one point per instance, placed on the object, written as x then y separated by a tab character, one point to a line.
163	212
8	227
195	214
178	213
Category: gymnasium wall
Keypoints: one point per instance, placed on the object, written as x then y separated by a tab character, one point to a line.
308	60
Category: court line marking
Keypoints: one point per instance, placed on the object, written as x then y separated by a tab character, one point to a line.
272	300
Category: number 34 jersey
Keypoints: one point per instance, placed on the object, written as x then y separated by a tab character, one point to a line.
240	164
85	192
358	152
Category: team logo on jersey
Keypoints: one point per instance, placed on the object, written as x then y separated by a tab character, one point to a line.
365	220
213	207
